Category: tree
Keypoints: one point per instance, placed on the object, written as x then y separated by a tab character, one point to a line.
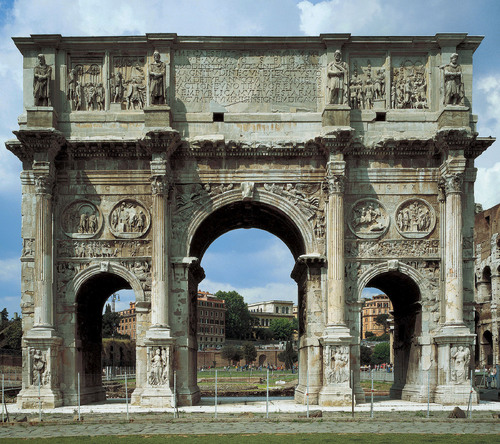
381	320
13	334
231	353
381	353
110	323
289	356
369	335
264	334
282	329
239	321
382	338
249	352
365	355
4	318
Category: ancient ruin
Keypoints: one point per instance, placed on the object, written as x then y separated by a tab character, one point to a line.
138	152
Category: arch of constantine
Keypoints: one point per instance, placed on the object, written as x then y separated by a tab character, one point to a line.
138	152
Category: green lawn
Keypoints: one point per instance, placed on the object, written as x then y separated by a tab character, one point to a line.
261	438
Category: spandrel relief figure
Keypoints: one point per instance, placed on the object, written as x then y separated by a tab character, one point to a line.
81	219
453	82
337	81
460	360
368	219
157	73
129	219
42	74
409	86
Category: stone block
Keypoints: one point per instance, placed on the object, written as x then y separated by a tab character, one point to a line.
454	116
158	116
41	117
336	115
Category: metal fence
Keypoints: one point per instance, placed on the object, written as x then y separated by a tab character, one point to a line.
378	375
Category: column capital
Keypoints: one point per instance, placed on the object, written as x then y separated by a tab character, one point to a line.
44	176
335	177
160	173
452	183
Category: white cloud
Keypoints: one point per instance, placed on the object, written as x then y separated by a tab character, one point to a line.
487	187
10	270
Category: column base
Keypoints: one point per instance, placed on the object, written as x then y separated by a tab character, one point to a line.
50	398
455	395
301	395
153	397
335	395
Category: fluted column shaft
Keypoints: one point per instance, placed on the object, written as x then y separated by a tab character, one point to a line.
160	252
335	249
44	303
454	288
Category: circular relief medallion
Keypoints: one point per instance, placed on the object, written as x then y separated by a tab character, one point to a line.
129	219
415	218
368	219
81	220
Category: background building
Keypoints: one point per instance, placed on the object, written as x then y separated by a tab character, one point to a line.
379	304
265	312
127	324
487	251
211	329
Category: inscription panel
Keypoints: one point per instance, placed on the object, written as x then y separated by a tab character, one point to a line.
247	81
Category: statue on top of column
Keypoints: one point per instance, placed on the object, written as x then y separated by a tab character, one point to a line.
453	82
337	83
42	74
157	80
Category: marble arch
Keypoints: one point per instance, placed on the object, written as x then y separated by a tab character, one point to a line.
357	151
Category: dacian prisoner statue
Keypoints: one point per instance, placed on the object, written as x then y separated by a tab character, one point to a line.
138	152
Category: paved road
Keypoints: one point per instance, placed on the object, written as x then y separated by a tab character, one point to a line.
245	427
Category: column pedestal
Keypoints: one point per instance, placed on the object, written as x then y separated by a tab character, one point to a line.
455	347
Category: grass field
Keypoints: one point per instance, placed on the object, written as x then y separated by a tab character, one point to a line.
262	438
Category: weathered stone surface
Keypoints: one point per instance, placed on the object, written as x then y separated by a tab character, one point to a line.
357	152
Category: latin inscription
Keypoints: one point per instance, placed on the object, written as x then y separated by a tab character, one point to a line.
235	77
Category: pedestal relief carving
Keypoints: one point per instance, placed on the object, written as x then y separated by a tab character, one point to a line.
40	368
337	364
368	219
129	219
81	220
28	248
415	218
460	361
85	90
158	368
409	85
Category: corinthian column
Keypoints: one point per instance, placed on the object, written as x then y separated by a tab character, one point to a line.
335	241
454	291
160	251
44	305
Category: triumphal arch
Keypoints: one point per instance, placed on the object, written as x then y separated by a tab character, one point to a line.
138	152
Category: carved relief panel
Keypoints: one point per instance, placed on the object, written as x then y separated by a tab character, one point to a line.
367	84
85	84
129	219
368	219
81	220
415	218
158	366
336	364
40	368
129	82
459	365
409	83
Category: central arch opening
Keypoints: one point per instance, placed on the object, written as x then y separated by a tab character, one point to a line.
256	263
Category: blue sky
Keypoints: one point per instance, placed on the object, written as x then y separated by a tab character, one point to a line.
252	262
